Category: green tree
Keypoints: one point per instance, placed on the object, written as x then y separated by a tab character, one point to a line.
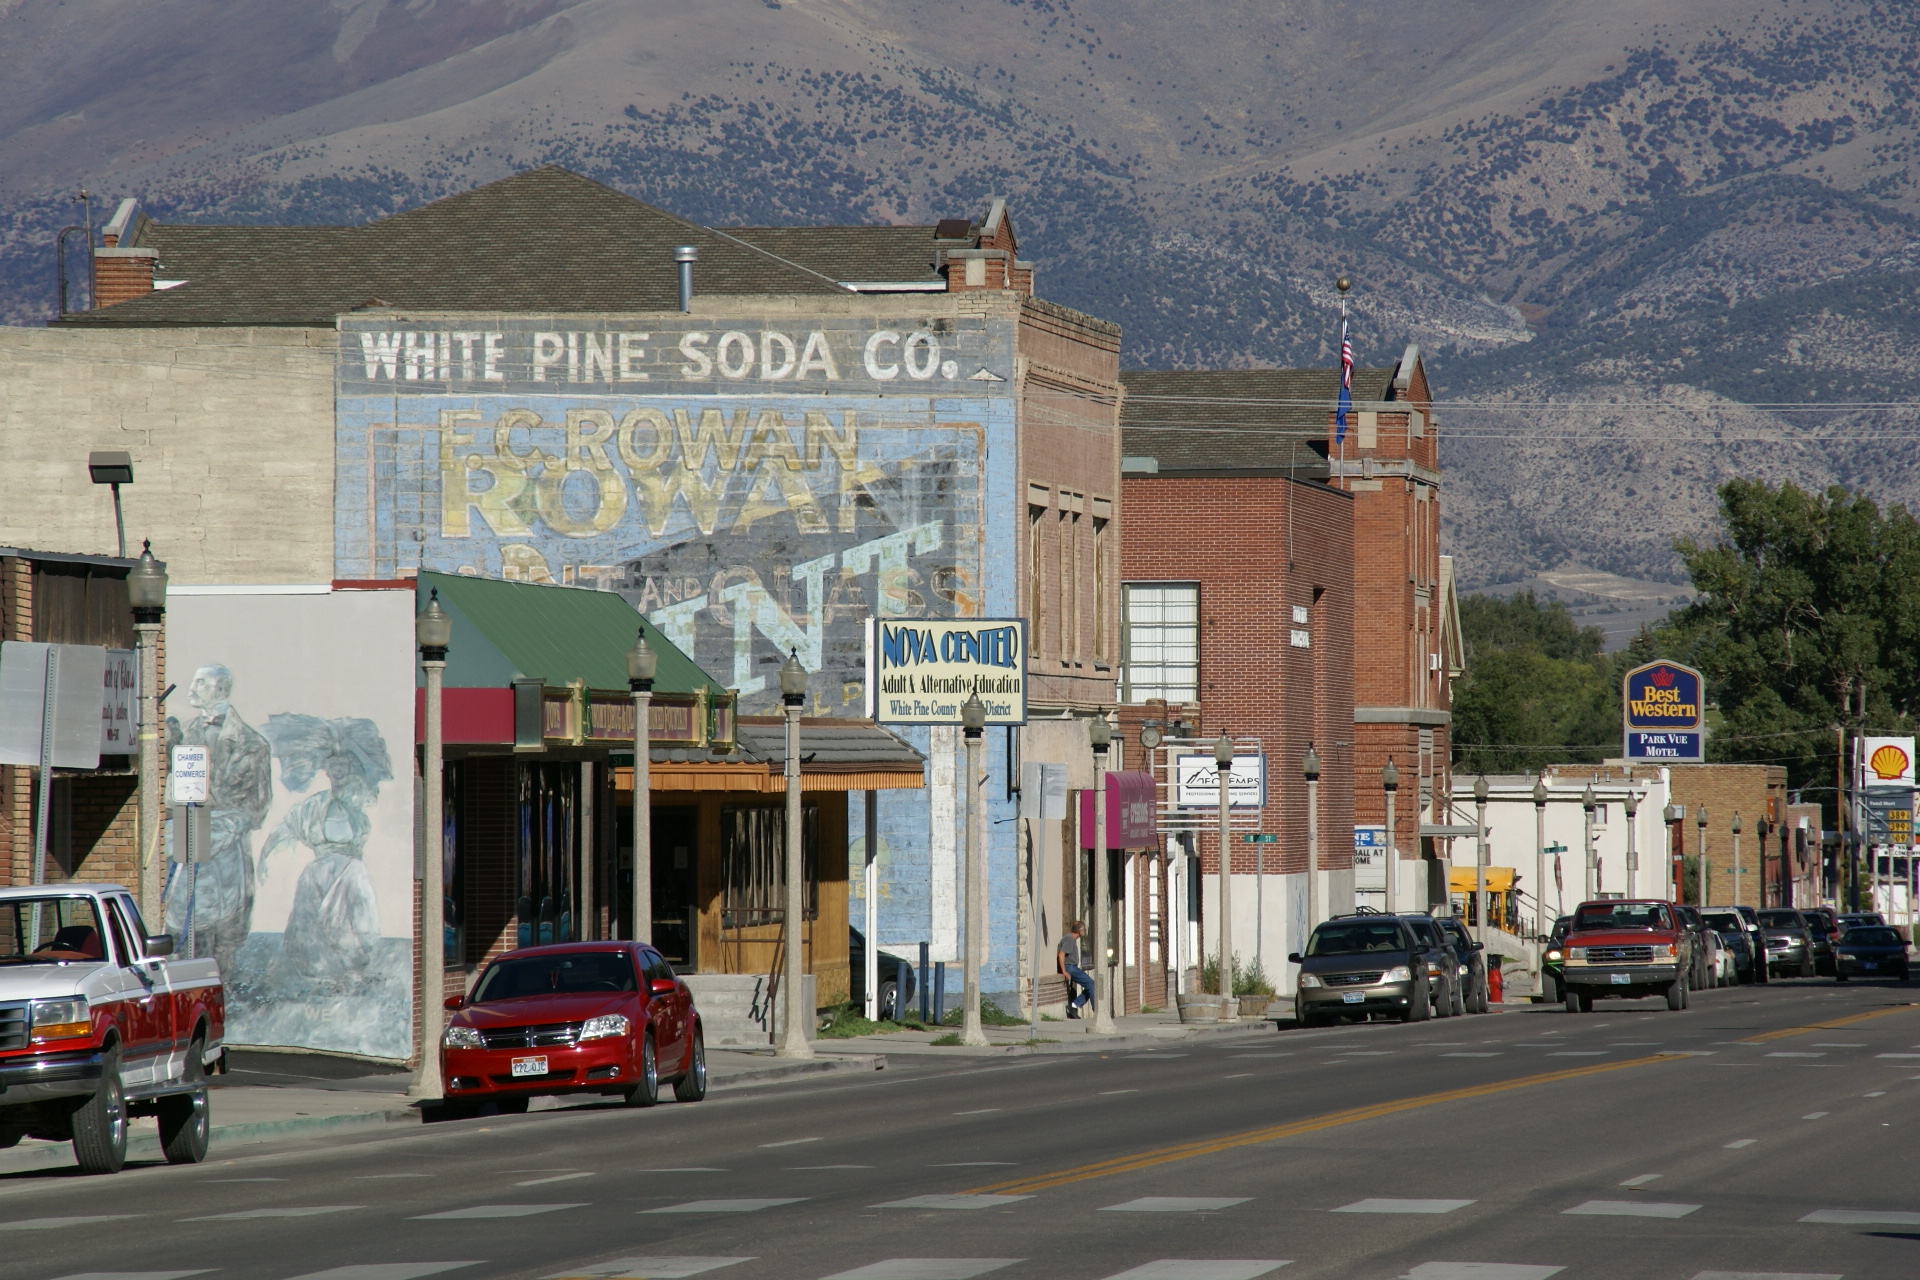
1808	617
1536	690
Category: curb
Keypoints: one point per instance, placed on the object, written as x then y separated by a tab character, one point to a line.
146	1146
1177	1033
838	1064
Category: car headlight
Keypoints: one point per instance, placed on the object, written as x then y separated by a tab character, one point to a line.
1308	980
1399	973
605	1027
61	1019
1554	954
1463	971
1671	951
1576	955
462	1038
1433	968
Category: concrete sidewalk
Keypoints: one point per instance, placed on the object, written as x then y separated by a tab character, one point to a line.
268	1097
1135	1031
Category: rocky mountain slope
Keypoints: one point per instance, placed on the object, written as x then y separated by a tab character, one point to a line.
1646	246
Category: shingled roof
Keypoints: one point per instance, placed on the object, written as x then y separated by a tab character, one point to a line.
901	256
547	240
1267	420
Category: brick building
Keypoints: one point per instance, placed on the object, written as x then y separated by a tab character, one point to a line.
1773	870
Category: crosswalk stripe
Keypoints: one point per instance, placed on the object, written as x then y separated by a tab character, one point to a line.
386	1271
53	1224
676	1268
950	1202
925	1269
1204	1269
725	1206
1865	1217
1632	1209
494	1211
1481	1271
287	1211
1176	1204
1403	1206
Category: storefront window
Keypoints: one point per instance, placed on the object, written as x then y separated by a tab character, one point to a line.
453	868
549	851
753	863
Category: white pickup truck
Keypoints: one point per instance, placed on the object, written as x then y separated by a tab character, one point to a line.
98	1023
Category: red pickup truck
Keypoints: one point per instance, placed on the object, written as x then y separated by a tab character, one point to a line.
1626	948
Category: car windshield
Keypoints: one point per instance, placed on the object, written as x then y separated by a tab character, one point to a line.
1871	937
1622	915
49	931
561	973
1779	920
1725	921
1347	938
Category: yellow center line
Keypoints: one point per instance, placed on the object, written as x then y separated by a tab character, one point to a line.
1253	1137
1831	1025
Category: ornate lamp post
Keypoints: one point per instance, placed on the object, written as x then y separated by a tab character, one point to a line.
1675	815
1540	928
1100	738
1589	802
1736	857
1702	888
1480	858
1223	770
432	631
1310	770
973	724
1390	783
147	593
642	665
793	1030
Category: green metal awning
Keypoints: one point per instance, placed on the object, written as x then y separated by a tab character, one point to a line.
503	631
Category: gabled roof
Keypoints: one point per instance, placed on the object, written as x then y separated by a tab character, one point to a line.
906	256
546	240
1269	420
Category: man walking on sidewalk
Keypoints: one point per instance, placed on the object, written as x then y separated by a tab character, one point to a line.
1072	961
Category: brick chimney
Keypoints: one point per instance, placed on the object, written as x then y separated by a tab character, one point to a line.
120	273
990	258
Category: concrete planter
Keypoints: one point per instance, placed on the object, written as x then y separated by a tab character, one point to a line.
1254	1006
1201	1008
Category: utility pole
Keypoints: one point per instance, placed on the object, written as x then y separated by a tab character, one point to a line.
793	1031
973	720
1223	774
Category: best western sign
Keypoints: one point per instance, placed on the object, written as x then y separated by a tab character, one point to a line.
921	671
1664	708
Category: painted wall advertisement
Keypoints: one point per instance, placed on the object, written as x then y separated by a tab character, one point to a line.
301	706
753	484
1664	706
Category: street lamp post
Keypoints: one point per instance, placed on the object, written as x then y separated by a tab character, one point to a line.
1310	770
1480	858
147	593
973	721
1676	816
432	632
1587	802
1223	772
1149	742
1633	850
1701	889
642	665
1540	856
1100	737
793	1031
1736	857
1390	783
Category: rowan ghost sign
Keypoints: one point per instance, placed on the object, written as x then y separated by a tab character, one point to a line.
754	484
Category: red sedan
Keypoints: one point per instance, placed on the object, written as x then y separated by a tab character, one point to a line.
582	1017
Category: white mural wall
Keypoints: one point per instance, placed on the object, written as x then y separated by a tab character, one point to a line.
305	700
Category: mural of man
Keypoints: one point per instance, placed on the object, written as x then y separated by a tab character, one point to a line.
219	892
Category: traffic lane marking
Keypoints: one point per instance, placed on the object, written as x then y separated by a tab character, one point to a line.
1640	1181
1254	1137
1402	1206
1176	1204
1832	1024
484	1211
1631	1209
1864	1217
672	1268
386	1271
726	1206
925	1269
1203	1269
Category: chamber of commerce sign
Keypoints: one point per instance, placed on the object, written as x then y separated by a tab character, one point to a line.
1664	708
922	671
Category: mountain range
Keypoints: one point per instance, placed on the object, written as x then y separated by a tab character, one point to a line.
1644	246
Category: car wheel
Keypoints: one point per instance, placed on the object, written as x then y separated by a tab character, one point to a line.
186	1120
1677	994
1459	1001
1806	968
692	1085
888	1006
1573	1001
647	1091
1419	1008
100	1125
512	1106
1443	1001
1549	988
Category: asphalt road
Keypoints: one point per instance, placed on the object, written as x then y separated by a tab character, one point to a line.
1763	1131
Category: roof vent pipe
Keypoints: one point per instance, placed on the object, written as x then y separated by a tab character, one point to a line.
686	255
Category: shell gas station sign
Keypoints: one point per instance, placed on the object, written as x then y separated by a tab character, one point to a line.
1664	707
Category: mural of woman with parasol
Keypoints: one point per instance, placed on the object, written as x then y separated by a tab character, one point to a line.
333	930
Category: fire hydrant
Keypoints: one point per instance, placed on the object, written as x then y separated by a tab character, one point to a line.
1495	988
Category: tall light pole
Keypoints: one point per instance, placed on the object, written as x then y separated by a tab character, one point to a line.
1223	772
1676	816
1480	858
973	722
1588	802
793	1031
642	665
1390	783
147	593
1736	857
1100	738
1310	770
1633	849
1702	883
432	631
1540	856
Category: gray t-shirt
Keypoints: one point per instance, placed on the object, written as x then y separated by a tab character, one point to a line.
1070	952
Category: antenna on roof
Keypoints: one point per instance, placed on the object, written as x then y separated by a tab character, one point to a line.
686	255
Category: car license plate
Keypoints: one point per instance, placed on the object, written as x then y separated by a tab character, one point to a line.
1354	997
1620	979
529	1066
1869	964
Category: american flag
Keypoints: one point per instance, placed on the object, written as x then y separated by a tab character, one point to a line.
1346	385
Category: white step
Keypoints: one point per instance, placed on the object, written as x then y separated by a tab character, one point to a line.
741	1010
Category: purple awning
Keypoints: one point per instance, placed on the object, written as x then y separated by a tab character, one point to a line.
1132	812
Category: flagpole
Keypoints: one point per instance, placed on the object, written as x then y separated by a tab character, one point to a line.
1346	363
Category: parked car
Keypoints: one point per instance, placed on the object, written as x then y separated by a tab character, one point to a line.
894	971
1731	928
1720	960
100	1023
1870	951
1849	919
1443	965
1368	965
571	1018
1629	948
1552	960
1701	975
1824	924
1471	968
1789	942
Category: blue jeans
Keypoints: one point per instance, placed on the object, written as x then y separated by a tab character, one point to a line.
1079	987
